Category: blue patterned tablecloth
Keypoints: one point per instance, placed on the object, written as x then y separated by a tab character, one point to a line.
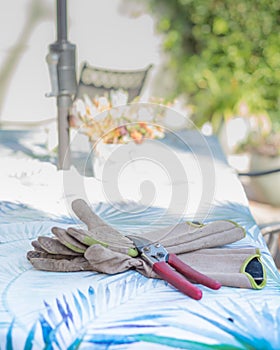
88	310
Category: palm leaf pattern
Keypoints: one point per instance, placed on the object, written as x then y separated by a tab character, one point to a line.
64	326
123	310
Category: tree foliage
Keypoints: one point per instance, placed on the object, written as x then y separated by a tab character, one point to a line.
222	53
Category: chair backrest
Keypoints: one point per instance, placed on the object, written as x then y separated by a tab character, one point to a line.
98	81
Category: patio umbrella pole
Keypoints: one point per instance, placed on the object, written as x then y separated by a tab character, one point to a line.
62	68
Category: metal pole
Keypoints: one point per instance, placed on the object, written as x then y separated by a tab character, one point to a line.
61	18
62	67
63	102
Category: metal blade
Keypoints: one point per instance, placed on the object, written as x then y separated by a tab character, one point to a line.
139	241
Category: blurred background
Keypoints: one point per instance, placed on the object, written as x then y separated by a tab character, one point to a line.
220	59
103	33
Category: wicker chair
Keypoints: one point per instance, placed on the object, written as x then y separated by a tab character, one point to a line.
98	81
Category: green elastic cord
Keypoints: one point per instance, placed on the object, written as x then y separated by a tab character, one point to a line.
133	252
237	225
255	284
89	241
195	224
73	247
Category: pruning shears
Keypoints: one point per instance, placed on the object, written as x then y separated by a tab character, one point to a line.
171	269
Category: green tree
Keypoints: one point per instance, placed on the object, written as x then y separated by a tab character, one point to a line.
222	53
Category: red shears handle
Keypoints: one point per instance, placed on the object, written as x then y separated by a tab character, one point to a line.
192	274
178	281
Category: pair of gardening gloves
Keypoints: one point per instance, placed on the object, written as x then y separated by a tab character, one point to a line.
103	249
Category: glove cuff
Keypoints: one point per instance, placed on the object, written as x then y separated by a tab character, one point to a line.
254	270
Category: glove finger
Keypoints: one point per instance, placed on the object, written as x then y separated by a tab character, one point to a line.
36	245
38	254
186	237
112	236
85	214
68	240
76	264
217	239
54	246
223	230
85	237
181	232
89	238
101	230
107	261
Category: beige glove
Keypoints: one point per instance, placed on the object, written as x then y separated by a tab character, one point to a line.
181	238
98	232
96	258
186	237
231	267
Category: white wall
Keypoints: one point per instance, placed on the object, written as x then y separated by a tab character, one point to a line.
103	36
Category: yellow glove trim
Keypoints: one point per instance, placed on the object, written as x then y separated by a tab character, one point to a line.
194	224
251	279
237	225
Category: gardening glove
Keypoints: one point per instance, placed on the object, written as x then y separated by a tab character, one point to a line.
177	239
240	268
96	258
75	241
187	236
50	254
65	247
65	251
98	232
183	237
